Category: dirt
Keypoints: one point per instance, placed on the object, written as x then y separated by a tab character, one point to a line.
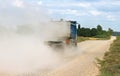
85	63
79	63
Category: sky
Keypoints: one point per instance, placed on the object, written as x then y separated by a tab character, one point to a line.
89	13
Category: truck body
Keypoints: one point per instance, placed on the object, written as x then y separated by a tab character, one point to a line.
66	34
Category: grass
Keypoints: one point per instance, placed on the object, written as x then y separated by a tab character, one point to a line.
110	65
80	38
103	37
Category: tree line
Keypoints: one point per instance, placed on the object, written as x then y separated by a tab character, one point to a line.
116	33
94	32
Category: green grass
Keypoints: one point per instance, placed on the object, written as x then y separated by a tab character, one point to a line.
103	37
80	39
110	65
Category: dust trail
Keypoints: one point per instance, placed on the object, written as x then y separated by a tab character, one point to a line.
23	33
26	53
19	53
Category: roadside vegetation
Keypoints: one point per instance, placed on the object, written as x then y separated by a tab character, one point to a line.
93	33
80	38
110	65
116	33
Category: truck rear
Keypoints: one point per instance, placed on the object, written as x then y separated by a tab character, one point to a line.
67	35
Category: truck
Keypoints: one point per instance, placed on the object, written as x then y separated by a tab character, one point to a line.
68	36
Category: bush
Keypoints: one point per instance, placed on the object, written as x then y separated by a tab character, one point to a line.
102	36
94	32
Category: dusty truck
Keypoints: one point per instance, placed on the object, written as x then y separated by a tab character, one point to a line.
67	34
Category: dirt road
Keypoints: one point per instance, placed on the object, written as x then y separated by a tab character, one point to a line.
84	64
79	62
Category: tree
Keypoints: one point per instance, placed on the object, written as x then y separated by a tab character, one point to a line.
78	30
84	32
79	27
110	31
99	28
87	32
81	31
94	32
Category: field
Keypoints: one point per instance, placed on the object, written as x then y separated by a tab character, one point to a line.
80	38
110	65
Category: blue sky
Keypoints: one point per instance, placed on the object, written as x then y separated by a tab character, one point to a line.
89	13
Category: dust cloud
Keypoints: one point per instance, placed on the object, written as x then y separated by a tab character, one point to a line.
22	41
23	33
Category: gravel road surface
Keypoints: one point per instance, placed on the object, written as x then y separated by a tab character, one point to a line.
85	63
80	62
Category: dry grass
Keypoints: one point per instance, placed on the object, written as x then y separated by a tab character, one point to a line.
80	38
110	65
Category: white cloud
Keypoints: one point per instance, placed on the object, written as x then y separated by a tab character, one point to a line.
95	13
69	4
82	4
104	3
70	11
18	3
40	2
66	12
111	18
74	12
